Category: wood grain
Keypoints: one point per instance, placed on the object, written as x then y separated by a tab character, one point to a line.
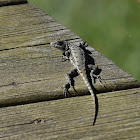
32	104
71	118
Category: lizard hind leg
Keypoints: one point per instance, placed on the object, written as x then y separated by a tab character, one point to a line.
94	74
70	81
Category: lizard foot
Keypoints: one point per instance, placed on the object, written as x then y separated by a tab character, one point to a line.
66	90
99	79
74	89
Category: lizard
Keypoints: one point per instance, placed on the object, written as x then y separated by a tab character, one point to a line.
84	65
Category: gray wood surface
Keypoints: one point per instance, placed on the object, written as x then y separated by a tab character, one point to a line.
31	70
71	118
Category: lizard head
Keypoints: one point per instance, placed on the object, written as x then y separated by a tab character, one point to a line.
62	45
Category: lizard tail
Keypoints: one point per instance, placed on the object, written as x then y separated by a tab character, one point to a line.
95	99
96	107
92	91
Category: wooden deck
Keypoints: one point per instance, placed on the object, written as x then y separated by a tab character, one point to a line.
32	105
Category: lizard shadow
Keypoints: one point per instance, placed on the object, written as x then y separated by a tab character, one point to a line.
90	61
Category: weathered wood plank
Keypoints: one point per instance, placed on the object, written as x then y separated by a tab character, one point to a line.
29	75
10	2
71	118
31	70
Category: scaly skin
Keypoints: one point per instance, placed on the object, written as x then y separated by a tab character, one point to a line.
78	56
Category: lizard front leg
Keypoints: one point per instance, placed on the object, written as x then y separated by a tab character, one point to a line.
65	56
70	79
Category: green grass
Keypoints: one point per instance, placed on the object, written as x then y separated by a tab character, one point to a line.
112	27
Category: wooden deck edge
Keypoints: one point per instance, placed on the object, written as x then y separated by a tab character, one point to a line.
28	99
